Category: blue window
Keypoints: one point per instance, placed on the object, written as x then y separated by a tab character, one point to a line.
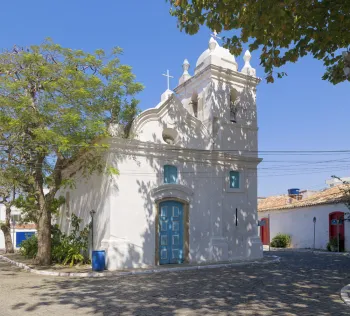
234	179
170	174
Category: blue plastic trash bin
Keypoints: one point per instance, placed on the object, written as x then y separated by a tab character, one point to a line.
98	260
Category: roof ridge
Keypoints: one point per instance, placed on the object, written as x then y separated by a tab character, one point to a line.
324	196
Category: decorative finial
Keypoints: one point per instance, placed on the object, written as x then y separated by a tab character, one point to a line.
247	57
215	35
247	68
168	78
185	66
185	74
212	44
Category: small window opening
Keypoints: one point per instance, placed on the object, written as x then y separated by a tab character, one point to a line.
234	179
170	174
169	136
194	104
233	106
169	139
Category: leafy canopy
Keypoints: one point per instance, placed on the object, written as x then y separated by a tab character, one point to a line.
56	104
285	30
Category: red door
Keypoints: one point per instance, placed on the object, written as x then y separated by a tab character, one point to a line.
264	232
333	229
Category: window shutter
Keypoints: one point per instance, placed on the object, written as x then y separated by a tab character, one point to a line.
234	179
170	174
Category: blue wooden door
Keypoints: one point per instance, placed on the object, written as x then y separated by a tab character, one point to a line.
171	230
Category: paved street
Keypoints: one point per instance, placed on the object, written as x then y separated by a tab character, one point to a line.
301	284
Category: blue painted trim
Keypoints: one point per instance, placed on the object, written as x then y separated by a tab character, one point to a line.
234	179
171	232
170	174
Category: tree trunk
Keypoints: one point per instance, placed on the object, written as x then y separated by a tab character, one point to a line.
45	203
43	256
6	229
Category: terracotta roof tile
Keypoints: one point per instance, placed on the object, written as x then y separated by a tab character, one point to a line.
25	226
281	202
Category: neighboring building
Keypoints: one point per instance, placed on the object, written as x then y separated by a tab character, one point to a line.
334	181
19	232
187	188
293	214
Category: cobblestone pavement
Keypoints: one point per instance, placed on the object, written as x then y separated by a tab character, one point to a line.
301	284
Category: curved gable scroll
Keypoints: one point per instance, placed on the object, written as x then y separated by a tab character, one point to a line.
171	116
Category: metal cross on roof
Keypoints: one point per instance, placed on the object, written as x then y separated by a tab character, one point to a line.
168	78
215	35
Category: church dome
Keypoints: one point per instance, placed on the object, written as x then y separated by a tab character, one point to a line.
216	55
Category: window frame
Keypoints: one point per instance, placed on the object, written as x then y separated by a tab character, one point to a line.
230	178
227	181
166	177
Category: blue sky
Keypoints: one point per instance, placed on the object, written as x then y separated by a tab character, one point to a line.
299	112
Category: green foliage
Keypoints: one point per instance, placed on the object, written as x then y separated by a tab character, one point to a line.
345	189
29	247
56	109
281	241
65	249
73	248
284	31
332	245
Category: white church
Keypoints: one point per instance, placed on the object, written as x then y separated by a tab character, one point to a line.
187	188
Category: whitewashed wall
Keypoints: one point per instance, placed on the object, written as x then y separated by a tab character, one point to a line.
298	223
2	241
125	218
91	193
13	236
2	218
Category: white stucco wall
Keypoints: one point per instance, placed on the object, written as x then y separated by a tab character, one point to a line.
14	211
92	193
126	208
298	223
212	210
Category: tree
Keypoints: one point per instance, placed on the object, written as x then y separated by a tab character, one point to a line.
7	194
345	189
284	30
10	177
56	108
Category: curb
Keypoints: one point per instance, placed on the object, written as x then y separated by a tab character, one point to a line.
318	252
331	253
344	294
150	271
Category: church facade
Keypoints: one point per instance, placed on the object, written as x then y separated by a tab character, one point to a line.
187	185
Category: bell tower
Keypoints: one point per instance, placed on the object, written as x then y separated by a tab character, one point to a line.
222	97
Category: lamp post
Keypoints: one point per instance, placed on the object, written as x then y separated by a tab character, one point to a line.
314	220
92	213
268	216
13	232
338	223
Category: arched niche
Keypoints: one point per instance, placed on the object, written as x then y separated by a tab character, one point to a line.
194	104
234	101
169	136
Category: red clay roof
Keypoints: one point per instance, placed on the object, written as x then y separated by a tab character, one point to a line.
281	202
25	226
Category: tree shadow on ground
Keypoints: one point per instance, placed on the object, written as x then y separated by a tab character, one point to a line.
301	284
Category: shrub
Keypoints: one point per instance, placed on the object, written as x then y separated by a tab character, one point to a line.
332	244
66	249
73	248
281	241
29	247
